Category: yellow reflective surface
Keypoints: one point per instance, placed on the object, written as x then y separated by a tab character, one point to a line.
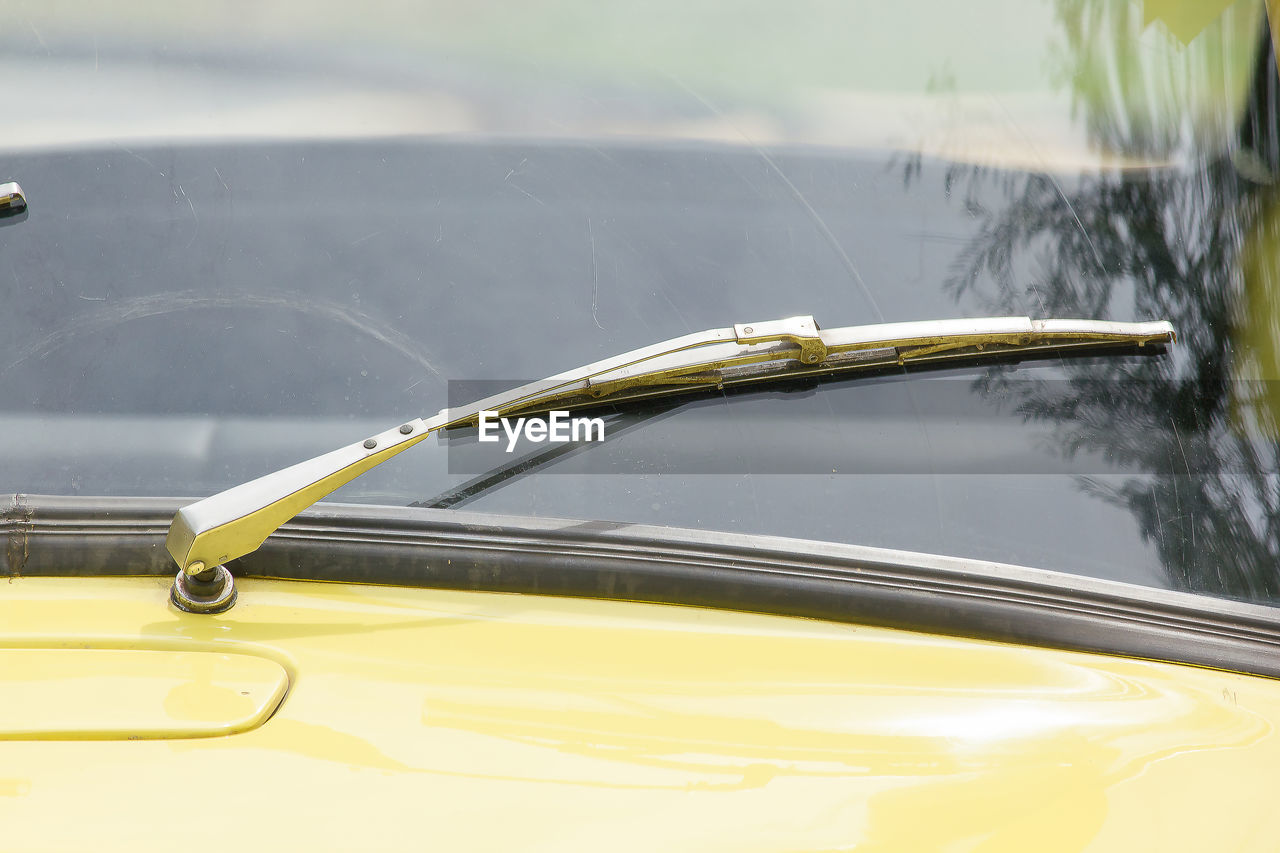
422	718
127	694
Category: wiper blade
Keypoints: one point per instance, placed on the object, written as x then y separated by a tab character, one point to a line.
233	523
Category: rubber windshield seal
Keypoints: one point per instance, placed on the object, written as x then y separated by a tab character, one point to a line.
451	549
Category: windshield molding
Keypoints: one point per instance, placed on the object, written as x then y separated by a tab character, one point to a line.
460	550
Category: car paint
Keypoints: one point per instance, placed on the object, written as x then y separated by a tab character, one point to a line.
121	693
421	718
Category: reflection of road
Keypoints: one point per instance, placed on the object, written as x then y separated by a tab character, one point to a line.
81	101
932	78
72	103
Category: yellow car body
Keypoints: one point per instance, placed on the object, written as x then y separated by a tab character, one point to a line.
341	716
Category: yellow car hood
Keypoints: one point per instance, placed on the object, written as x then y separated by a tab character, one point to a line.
420	719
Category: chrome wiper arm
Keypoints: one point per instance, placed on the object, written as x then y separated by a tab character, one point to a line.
233	523
754	352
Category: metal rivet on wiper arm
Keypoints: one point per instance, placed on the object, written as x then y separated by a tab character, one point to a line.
11	198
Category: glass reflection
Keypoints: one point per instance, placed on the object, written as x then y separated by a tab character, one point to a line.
1195	244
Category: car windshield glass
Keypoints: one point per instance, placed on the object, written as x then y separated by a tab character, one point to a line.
254	234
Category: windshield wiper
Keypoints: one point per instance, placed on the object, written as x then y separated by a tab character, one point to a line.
207	534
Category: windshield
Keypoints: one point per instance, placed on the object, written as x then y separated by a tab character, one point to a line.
254	234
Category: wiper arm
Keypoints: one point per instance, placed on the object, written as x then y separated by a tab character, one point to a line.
206	534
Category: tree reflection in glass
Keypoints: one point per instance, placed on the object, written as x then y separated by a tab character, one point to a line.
1193	236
